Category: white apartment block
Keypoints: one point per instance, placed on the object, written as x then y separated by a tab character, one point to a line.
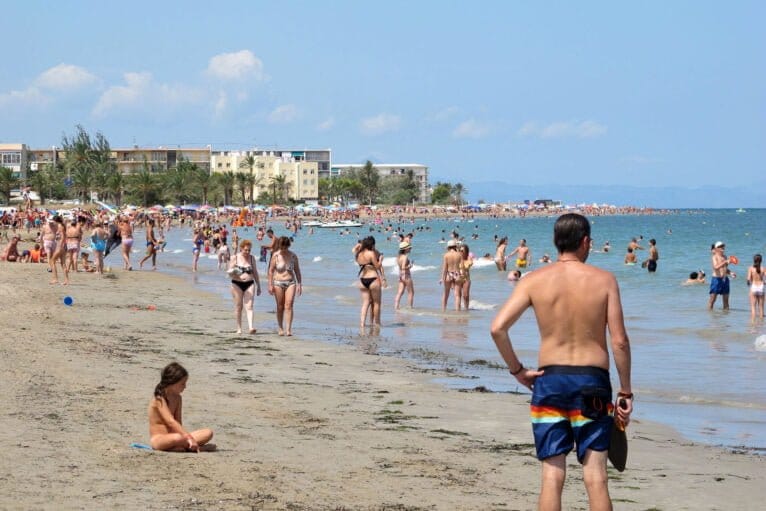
301	175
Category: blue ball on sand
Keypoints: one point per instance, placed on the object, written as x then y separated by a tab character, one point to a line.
68	300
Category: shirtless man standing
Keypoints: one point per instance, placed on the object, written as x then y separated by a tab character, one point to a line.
522	254
719	284
571	403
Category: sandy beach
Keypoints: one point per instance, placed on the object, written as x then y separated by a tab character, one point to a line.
299	424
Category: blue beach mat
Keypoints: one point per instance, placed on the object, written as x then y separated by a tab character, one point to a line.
145	447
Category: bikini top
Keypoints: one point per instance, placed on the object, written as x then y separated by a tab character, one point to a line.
245	269
280	264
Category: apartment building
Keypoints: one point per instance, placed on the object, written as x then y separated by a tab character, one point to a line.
420	173
301	175
14	157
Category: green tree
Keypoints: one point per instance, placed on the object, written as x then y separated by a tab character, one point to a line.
144	182
39	180
8	181
249	163
204	180
115	186
442	193
79	161
180	181
369	177
458	190
280	188
241	180
227	181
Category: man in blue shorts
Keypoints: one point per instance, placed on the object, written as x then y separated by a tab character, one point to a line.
572	406
719	283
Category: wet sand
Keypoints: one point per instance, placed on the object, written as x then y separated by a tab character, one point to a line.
299	424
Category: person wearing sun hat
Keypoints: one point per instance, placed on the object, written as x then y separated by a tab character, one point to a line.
404	263
719	283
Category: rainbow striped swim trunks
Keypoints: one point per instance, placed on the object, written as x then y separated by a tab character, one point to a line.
571	405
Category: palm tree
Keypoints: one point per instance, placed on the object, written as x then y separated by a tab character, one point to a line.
204	179
241	180
116	186
144	182
227	180
249	163
278	184
8	181
83	180
458	190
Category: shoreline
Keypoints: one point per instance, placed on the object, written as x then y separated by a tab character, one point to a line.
299	424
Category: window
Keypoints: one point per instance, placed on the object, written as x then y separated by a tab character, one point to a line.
11	158
220	164
228	164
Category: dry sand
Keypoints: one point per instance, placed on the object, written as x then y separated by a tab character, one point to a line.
299	424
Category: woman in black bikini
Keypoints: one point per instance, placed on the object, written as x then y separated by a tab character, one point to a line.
284	278
244	278
371	278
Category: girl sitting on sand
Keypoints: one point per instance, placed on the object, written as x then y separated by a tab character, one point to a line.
165	425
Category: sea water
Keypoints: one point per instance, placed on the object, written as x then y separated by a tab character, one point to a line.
694	369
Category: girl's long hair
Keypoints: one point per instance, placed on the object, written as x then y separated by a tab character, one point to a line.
172	373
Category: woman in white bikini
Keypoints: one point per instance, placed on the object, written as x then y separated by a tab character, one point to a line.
285	283
245	284
755	281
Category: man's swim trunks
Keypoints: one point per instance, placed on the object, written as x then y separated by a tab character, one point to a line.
521	263
571	405
651	266
719	286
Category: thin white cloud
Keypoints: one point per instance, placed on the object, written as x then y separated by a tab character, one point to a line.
283	114
30	97
445	114
220	104
236	66
382	123
142	94
65	77
563	129
326	125
471	129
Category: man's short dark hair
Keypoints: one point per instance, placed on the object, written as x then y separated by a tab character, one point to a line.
569	231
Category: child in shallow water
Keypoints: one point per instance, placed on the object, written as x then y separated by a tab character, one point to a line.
165	425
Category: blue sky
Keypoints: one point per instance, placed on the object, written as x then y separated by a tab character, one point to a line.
654	94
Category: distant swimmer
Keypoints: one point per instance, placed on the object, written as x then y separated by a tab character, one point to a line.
545	259
695	277
634	245
522	254
651	262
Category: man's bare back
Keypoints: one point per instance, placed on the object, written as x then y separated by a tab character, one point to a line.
570	300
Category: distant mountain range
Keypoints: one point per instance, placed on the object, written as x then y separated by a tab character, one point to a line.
669	197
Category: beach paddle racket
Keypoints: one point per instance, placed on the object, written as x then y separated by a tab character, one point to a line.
618	444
